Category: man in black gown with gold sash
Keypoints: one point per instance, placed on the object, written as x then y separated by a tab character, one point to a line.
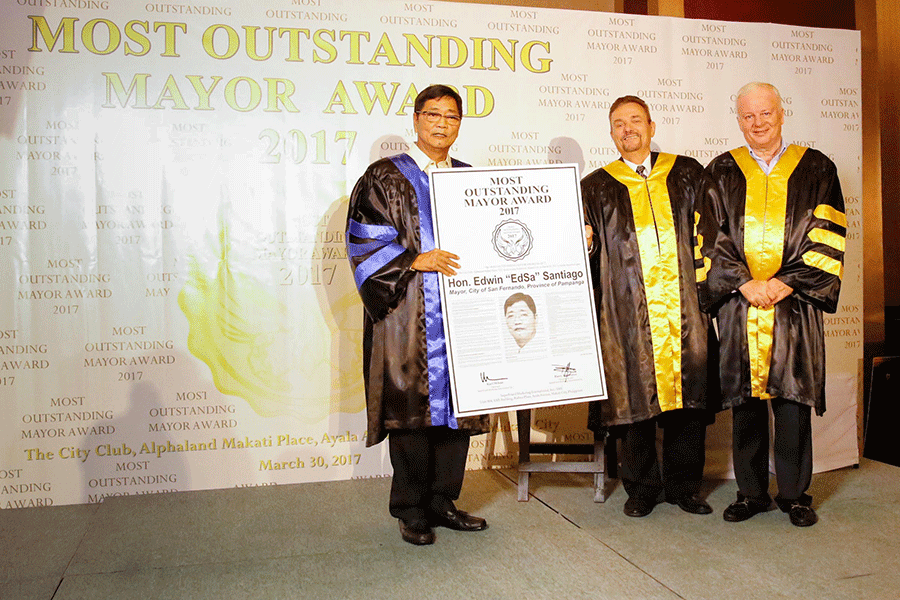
771	233
656	342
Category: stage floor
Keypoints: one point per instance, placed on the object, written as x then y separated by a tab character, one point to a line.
335	540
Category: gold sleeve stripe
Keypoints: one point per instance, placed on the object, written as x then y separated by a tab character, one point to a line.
829	213
697	236
826	263
702	271
829	238
697	248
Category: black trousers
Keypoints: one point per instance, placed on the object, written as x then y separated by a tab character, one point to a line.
683	455
793	449
429	465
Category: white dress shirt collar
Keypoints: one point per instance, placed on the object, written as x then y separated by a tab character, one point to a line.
767	167
647	164
424	162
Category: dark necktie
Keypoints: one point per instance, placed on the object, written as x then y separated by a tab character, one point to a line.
640	170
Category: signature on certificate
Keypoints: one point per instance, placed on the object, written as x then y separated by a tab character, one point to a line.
565	371
486	379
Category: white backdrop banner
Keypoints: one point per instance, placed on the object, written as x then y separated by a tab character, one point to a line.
176	307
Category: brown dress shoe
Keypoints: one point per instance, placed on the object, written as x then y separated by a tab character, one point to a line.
693	503
802	515
456	519
799	511
417	532
638	507
743	509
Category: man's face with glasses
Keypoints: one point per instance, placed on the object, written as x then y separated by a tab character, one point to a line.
437	126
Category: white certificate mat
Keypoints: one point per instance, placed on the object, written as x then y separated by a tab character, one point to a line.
519	316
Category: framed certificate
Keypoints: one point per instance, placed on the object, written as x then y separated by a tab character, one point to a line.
519	316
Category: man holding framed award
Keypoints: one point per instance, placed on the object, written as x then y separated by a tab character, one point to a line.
396	267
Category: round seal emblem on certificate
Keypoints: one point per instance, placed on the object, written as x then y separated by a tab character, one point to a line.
512	240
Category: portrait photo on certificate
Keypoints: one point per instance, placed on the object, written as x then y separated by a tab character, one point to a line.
519	315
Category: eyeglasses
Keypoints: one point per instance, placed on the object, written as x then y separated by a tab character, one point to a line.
433	117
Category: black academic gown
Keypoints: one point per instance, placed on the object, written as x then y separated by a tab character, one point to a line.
395	365
796	234
656	342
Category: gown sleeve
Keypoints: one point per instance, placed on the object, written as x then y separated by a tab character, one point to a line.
378	236
724	269
593	217
815	268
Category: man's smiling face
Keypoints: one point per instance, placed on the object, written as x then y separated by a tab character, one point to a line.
760	117
631	130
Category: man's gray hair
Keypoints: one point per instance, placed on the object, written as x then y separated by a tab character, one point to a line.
752	87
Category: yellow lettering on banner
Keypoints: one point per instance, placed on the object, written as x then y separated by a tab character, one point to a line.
354	44
274	96
479	99
251	42
278	93
87	36
66	29
507	55
380	95
293	42
234	41
385	50
525	57
138	87
409	101
454	52
169	36
413	43
231	94
341	98
462	52
41	32
171	93
322	44
472	93
132	34
478	53
202	92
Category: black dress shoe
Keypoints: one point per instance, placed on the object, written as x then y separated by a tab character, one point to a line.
417	532
743	509
456	519
802	515
693	504
638	507
787	505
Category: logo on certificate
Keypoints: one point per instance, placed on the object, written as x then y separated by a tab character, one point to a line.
513	240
